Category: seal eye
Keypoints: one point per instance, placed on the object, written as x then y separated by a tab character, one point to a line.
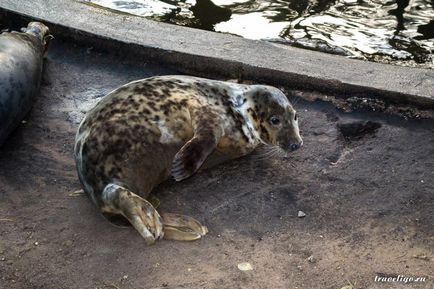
274	120
295	117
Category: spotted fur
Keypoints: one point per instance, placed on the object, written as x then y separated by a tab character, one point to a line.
141	133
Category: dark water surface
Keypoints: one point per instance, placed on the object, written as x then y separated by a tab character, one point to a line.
389	31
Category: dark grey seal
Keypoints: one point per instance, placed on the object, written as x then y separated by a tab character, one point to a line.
21	58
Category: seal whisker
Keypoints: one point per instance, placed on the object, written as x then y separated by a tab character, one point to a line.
267	150
290	163
263	156
295	101
271	152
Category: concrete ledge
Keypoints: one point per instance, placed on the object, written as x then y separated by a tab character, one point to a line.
208	53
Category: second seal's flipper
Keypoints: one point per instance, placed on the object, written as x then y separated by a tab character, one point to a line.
139	212
208	131
182	228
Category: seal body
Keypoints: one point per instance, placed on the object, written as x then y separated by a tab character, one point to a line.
145	131
21	58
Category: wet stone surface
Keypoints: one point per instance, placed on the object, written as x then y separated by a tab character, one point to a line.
369	202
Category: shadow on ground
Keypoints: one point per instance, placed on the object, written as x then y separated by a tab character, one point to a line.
365	182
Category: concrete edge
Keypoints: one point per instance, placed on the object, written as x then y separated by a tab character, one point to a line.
211	66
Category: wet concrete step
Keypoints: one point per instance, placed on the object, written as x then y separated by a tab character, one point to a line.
207	53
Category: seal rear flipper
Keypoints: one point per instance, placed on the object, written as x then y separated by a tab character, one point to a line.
208	132
182	228
139	212
120	221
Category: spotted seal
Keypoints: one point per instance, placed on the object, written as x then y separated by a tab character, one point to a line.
147	130
21	58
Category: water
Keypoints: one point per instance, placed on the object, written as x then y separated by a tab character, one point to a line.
389	31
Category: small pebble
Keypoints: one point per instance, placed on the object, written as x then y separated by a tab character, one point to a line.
245	266
36	243
311	259
301	214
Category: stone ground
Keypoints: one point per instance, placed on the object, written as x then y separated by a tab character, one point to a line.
366	188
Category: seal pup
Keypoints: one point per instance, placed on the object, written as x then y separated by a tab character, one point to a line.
21	58
147	130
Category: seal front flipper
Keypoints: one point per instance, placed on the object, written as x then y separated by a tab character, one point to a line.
208	130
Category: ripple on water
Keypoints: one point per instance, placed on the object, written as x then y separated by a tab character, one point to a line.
377	30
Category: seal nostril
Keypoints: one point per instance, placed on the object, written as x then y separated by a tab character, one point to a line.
294	146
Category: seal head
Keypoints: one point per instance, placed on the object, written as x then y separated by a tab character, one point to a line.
41	32
274	119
